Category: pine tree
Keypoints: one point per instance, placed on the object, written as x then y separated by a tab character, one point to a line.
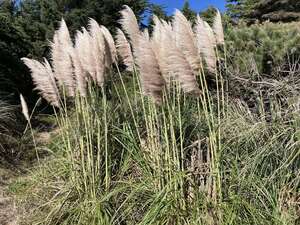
209	14
262	10
190	14
277	10
241	8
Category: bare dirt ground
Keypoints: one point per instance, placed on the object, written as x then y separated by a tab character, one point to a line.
8	209
10	212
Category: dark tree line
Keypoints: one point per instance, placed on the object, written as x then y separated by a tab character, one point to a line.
262	10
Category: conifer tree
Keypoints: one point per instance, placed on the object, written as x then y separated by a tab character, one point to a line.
190	14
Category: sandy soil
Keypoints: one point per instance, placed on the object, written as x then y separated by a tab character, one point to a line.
8	209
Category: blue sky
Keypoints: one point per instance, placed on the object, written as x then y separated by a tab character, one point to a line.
197	5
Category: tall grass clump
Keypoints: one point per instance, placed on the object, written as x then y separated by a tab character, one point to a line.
15	145
261	162
160	146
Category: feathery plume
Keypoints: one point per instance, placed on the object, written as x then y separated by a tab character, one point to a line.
206	43
110	47
98	51
218	29
61	49
130	25
172	60
43	78
157	29
25	110
84	50
185	40
80	74
160	51
124	50
146	34
151	78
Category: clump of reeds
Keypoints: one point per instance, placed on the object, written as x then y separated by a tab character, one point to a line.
174	51
177	48
73	65
124	50
127	160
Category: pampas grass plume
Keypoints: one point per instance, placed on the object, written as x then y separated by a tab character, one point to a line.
110	50
172	60
218	29
151	78
124	50
97	51
61	49
43	78
206	43
130	25
185	40
25	110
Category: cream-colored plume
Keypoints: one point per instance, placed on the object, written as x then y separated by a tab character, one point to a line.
157	29
172	60
150	75
218	29
146	34
185	40
79	72
98	51
160	51
43	78
110	50
61	49
130	25
206	43
85	52
124	50
25	110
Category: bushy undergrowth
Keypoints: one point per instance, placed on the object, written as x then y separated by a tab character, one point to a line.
264	49
263	64
125	160
13	143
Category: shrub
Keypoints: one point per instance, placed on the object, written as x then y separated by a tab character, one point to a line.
263	49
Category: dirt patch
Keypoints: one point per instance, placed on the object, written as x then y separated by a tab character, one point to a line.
8	209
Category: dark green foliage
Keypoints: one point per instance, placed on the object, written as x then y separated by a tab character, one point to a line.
240	8
14	145
264	65
264	48
14	43
263	10
190	14
209	14
277	10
